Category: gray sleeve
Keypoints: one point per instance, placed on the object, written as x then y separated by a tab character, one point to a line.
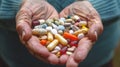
9	8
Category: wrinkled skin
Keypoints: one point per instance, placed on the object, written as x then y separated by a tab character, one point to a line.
86	11
34	9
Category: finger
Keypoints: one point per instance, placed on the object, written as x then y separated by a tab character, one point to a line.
23	24
34	45
53	59
24	30
65	12
84	47
95	29
71	62
39	57
63	59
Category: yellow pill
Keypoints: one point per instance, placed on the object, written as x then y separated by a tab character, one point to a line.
62	40
50	36
77	32
68	53
58	54
52	45
84	29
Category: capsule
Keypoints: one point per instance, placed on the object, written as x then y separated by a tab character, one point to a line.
42	21
82	23
39	31
62	40
71	49
50	36
52	45
80	36
69	53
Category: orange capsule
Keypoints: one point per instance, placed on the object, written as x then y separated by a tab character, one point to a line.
43	42
70	36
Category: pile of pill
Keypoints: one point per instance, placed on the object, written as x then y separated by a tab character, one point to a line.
60	36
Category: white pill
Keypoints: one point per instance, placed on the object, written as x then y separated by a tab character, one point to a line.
41	21
54	31
57	48
54	51
49	28
71	31
54	26
71	49
80	36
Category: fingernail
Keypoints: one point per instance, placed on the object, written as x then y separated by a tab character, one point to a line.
23	34
95	33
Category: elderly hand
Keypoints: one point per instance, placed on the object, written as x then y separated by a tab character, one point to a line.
86	12
32	10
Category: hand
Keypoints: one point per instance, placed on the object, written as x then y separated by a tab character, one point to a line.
86	12
32	10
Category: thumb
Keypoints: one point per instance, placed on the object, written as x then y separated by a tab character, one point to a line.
23	23
83	49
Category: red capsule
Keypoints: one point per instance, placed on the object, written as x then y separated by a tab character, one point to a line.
78	20
35	23
63	50
73	43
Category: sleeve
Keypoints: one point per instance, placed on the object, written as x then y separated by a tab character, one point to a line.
108	9
8	8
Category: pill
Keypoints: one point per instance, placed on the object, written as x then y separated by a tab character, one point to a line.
84	29
63	50
71	31
54	26
80	36
44	25
60	32
67	24
74	27
35	23
57	22
82	23
57	48
71	49
68	53
61	39
44	37
54	31
52	45
37	27
60	27
42	21
48	28
75	17
61	22
41	26
73	42
78	32
39	31
69	20
55	51
58	54
62	18
70	36
60	45
50	36
49	21
43	42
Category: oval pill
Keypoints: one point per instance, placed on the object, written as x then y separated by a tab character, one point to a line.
62	40
52	45
50	36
